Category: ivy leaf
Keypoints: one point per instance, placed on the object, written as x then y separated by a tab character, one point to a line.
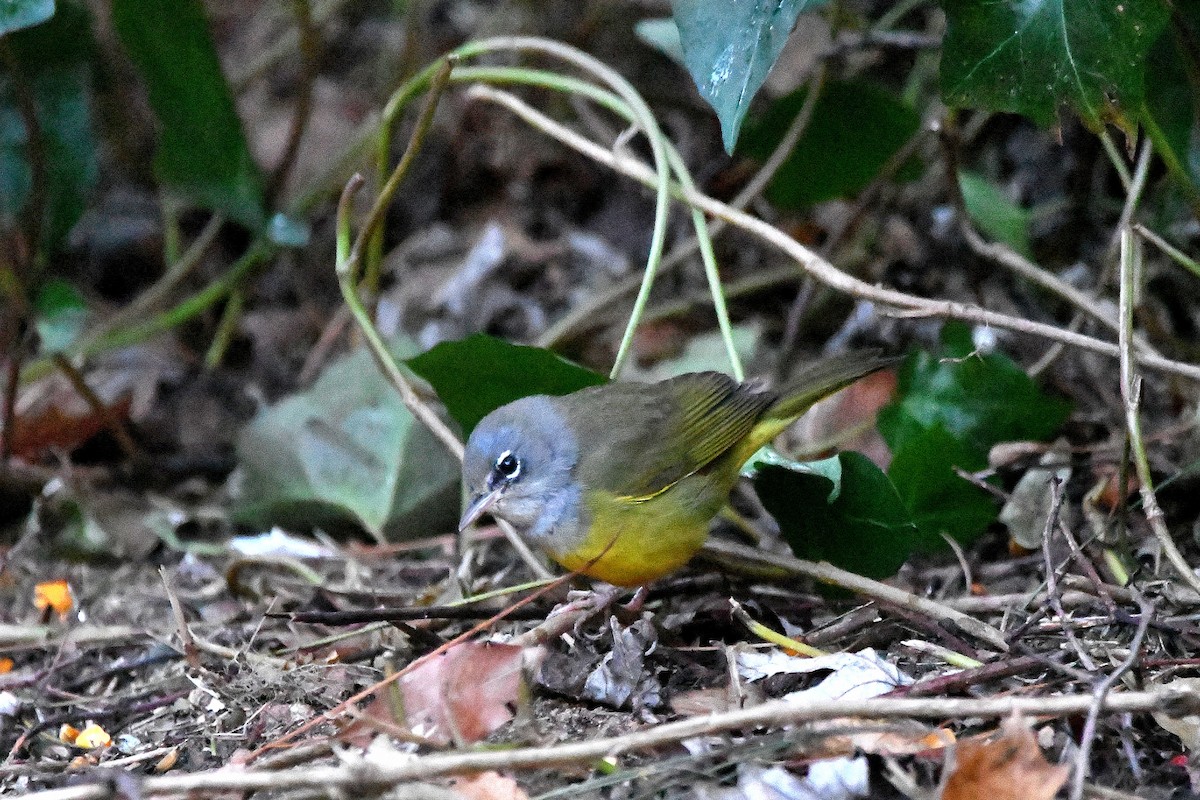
55	60
855	129
345	451
980	399
937	498
996	215
1034	57
865	529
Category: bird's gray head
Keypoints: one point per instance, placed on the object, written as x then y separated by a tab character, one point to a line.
519	466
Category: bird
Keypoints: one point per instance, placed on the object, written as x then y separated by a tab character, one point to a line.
621	481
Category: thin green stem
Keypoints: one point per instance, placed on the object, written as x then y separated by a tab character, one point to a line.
259	252
1177	255
373	224
226	329
613	103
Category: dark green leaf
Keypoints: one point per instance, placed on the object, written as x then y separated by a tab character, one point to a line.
54	62
729	48
481	373
938	500
1034	57
1173	100
855	129
202	152
996	215
18	14
865	530
980	399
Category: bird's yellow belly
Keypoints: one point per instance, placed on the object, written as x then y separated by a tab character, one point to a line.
630	543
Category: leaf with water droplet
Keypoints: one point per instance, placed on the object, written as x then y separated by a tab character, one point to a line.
730	47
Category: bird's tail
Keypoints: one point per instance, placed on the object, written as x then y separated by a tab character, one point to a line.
816	381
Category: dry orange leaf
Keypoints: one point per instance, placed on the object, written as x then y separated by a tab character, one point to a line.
54	595
1010	767
6	664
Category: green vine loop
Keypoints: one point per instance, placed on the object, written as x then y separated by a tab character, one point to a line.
640	115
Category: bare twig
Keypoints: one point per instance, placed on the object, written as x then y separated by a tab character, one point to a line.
904	304
101	409
1100	693
1003	255
1056	501
1131	385
829	574
370	775
310	54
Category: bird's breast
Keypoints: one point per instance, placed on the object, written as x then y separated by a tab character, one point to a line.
632	542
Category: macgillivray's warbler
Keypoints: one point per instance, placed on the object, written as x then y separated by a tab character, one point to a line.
621	481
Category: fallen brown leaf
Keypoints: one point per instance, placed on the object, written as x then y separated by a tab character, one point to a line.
1010	767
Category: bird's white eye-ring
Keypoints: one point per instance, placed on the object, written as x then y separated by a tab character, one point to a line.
508	465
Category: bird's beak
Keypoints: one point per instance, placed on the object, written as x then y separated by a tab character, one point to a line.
479	506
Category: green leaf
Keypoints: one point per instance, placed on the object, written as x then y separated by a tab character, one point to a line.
949	412
54	61
996	215
1173	100
346	450
938	500
662	35
856	128
202	152
828	468
865	530
479	374
980	399
1033	57
61	315
729	48
18	14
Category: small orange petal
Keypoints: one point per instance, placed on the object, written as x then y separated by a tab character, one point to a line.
54	595
93	736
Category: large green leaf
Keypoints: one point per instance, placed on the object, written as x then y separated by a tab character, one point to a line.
979	399
18	14
866	529
729	48
950	410
55	62
855	129
938	500
346	450
202	152
481	373
1173	99
1036	56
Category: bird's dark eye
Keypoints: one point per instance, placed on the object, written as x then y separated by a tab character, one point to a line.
508	465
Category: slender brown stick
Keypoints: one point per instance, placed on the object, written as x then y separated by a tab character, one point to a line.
98	406
375	775
904	305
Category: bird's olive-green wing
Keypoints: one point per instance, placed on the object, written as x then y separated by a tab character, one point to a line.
638	439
